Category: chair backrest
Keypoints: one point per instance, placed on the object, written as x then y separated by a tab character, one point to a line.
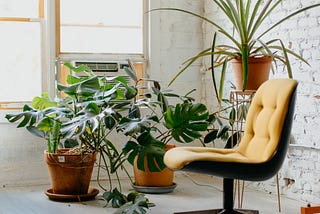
265	119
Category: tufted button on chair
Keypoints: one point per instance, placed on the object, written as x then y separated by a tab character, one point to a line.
261	151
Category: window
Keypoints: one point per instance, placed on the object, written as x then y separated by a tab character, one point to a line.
33	48
20	52
101	26
102	31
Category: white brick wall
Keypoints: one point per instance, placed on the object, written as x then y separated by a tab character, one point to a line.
175	37
302	166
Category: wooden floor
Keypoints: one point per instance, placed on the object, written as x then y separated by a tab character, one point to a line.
192	193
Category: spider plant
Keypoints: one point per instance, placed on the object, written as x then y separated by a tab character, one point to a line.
246	38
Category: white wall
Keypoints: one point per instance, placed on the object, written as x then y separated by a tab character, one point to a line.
302	33
21	157
174	38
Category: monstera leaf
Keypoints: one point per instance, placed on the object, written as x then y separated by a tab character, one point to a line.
29	116
89	117
186	120
136	125
34	118
148	150
85	88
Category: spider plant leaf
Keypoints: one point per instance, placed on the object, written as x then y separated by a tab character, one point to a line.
245	61
287	59
288	17
222	79
237	20
189	62
247	12
291	53
197	55
212	67
227	11
253	16
242	20
220	28
260	17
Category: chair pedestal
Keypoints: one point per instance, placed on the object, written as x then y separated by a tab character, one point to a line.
220	211
227	203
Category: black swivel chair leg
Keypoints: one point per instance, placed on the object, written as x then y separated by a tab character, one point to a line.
228	197
228	200
227	194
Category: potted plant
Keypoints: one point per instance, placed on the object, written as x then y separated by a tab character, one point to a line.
153	125
84	118
78	126
44	119
245	42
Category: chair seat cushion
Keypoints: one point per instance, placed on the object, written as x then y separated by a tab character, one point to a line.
178	157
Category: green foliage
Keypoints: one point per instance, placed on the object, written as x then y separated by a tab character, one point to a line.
146	149
161	122
186	120
137	204
42	123
246	39
43	102
89	111
133	203
116	198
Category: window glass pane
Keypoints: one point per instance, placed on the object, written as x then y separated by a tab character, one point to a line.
19	8
20	61
101	26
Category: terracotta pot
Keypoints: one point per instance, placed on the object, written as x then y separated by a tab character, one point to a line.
258	72
153	179
70	173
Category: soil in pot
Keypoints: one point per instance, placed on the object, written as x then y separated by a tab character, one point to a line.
258	72
70	173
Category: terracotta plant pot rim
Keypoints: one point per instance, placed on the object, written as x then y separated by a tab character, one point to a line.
64	152
253	59
76	160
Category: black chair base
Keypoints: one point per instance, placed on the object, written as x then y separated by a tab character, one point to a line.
221	211
227	203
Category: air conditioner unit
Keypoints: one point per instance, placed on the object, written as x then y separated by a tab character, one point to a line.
106	68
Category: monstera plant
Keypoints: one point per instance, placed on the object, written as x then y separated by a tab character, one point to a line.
153	124
82	119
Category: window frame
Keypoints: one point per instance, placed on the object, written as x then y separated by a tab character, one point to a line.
51	57
104	56
134	58
17	105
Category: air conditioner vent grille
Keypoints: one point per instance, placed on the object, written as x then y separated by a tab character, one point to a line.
100	66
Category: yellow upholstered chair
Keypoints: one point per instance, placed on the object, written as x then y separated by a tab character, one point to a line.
261	151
